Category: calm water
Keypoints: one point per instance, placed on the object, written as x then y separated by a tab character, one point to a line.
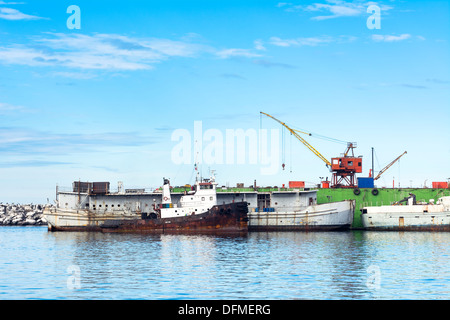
36	264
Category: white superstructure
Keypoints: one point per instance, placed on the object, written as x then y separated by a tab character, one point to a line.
200	199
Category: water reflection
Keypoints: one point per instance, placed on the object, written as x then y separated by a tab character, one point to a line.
263	265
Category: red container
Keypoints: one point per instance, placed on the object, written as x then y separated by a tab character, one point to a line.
440	185
296	184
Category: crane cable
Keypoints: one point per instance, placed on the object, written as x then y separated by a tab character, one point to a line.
294	132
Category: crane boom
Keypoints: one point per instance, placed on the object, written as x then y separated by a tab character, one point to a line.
295	134
388	166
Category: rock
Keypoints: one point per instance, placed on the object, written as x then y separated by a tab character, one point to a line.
16	214
29	222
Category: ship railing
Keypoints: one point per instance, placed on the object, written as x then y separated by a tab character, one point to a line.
373	204
64	189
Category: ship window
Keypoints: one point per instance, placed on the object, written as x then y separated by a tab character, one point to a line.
112	206
118	205
210	198
203	198
99	205
350	163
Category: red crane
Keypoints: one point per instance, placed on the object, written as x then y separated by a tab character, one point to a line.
343	168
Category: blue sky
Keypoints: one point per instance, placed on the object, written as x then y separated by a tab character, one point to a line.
101	103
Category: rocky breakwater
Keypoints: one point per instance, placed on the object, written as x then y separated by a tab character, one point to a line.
22	215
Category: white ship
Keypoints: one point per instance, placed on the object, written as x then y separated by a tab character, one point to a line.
88	205
92	207
306	217
412	216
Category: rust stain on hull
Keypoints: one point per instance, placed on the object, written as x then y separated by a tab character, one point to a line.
227	218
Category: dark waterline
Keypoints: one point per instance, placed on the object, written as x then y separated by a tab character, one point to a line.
36	264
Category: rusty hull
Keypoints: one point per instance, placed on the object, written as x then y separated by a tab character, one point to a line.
226	218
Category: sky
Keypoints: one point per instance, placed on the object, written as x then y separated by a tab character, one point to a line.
135	91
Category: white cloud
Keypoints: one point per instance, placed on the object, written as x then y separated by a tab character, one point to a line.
390	38
13	14
231	53
335	8
99	51
259	45
8	108
343	10
309	41
107	51
312	41
74	75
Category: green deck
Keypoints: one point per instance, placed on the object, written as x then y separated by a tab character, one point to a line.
386	196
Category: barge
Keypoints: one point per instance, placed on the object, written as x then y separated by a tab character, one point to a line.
413	216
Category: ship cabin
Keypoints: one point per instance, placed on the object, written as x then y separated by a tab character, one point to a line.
200	199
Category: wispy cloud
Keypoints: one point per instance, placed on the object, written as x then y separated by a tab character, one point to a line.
270	64
99	51
30	163
313	41
232	76
438	81
259	45
233	53
309	41
15	141
6	108
333	8
74	75
390	38
413	86
111	52
14	14
365	86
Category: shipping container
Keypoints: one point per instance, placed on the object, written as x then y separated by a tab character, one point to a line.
100	187
296	184
82	187
325	184
365	182
440	185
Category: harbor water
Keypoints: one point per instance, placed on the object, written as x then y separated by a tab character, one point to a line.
355	265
